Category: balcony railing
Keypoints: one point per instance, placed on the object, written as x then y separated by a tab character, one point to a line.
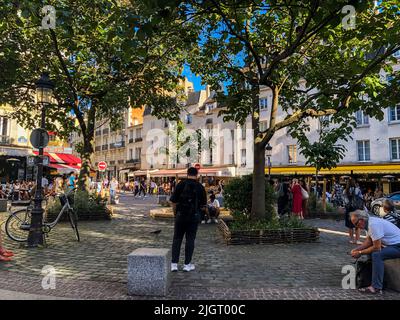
138	139
98	133
5	139
104	147
105	131
97	148
133	161
130	140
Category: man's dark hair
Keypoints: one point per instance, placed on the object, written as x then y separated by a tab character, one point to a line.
192	172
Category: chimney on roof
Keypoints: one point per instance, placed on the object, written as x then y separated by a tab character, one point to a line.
208	91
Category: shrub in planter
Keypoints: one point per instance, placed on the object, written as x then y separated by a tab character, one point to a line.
88	207
237	195
242	222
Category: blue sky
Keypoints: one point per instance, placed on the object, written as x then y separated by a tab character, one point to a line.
193	78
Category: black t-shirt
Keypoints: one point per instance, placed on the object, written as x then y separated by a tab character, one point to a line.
201	192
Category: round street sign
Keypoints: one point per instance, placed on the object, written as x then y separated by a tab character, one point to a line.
102	165
197	166
39	138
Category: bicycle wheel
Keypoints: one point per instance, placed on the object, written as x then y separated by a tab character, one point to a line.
73	220
18	225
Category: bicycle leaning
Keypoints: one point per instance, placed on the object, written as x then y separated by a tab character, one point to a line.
19	222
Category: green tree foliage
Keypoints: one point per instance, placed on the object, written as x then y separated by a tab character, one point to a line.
103	57
305	54
237	196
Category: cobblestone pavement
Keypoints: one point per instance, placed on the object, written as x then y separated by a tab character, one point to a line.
95	268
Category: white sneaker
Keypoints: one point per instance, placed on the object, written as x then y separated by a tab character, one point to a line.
188	267
174	267
215	220
209	221
203	222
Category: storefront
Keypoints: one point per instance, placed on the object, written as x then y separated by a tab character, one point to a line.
13	164
369	176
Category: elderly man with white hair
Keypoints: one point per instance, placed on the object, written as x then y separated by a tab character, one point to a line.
382	243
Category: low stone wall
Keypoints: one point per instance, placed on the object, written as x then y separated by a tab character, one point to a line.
167	213
273	236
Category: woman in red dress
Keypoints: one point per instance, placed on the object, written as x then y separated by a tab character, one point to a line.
297	206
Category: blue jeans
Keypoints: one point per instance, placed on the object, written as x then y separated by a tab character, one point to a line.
378	257
112	194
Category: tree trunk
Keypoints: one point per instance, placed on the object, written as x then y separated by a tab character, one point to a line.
84	175
258	195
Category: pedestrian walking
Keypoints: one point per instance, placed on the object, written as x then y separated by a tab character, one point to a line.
188	200
283	197
353	201
113	189
297	204
305	195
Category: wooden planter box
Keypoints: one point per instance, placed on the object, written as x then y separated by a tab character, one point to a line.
267	236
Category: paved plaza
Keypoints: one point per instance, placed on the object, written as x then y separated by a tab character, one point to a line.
96	267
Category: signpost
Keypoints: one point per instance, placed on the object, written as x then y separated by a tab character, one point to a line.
39	138
102	166
197	166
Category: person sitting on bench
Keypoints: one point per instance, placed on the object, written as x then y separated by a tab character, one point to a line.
213	209
382	243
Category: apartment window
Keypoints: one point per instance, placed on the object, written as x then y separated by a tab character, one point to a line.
4	124
209	107
395	148
130	134
130	154
138	133
263	103
138	152
362	118
292	153
189	118
165	123
263	126
244	132
394	113
363	149
243	156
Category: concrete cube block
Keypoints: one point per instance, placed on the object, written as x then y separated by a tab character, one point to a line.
148	272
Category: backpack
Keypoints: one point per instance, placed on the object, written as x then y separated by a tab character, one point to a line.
363	273
188	203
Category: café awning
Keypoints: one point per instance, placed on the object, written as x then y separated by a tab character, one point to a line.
389	168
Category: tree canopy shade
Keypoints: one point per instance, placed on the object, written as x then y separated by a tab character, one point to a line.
305	53
102	55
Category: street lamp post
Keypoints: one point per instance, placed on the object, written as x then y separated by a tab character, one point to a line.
44	92
268	153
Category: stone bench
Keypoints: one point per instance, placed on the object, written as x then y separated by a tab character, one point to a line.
166	212
392	274
148	272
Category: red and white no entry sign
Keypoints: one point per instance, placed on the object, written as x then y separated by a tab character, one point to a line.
102	165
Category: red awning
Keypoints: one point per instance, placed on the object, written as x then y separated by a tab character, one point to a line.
62	158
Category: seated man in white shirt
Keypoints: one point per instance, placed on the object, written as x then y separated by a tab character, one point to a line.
213	209
382	243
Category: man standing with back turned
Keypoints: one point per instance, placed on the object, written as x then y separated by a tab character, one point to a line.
188	199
